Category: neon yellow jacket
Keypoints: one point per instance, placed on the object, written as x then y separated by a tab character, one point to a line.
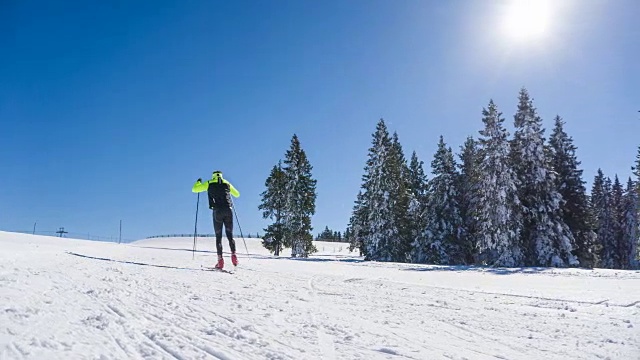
204	186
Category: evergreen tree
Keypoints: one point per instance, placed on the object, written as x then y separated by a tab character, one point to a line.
358	225
326	234
546	237
398	174
468	185
442	243
380	213
601	205
372	213
617	207
301	200
499	213
630	227
575	206
636	172
417	213
273	206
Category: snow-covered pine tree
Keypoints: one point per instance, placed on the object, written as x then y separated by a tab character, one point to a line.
636	172
273	206
575	205
443	223
468	185
301	200
604	215
499	213
378	227
384	200
419	192
617	206
358	224
630	227
546	237
397	173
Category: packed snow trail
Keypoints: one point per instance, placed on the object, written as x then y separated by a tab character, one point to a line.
72	299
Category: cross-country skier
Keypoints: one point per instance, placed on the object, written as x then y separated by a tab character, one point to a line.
219	191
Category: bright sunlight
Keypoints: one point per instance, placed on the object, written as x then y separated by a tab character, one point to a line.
527	19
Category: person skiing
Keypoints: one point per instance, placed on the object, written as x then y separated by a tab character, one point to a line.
219	191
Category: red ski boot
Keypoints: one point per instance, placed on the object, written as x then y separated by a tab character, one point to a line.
220	263
234	259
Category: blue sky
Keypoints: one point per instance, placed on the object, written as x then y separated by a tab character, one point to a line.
110	110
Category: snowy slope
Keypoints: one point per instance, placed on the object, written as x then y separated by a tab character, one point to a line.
72	299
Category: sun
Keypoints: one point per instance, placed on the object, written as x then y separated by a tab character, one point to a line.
527	19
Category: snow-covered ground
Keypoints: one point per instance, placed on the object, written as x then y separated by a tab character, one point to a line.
72	299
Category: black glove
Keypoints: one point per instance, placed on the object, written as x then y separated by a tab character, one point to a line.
199	180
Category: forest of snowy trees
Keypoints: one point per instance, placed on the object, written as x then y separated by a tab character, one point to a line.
503	201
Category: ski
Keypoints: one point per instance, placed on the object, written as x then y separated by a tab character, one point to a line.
211	268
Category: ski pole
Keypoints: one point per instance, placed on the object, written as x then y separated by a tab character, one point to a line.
239	227
195	231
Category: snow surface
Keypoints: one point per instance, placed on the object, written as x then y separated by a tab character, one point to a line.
74	299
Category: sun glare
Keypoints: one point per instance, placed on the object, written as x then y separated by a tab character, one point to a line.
527	19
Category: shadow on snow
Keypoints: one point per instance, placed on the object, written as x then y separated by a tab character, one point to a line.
315	258
487	269
344	259
134	262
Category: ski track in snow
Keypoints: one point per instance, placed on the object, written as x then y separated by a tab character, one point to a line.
111	301
325	341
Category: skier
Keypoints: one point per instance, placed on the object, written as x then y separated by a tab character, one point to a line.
219	191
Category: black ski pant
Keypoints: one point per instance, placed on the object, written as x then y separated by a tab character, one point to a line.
223	216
